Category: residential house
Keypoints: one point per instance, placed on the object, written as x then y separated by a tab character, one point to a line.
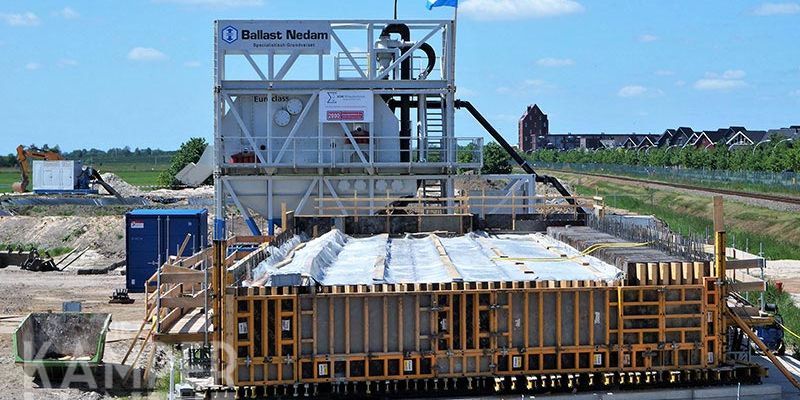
745	138
533	129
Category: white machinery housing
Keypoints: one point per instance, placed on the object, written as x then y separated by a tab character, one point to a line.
303	113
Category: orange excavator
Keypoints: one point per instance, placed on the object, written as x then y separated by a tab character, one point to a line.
24	156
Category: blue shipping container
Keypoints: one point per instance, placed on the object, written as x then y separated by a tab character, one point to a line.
152	235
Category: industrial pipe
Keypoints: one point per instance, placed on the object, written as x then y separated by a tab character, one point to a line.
405	100
552	181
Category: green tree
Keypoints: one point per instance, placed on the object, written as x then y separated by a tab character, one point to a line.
495	160
466	154
189	152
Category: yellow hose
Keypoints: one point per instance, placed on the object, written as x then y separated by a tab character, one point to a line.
787	329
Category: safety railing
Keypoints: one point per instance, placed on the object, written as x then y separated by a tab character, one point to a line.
356	151
482	205
345	69
788	182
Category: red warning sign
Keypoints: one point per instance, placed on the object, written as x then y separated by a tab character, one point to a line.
345	115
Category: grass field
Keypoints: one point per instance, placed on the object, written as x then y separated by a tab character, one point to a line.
7	177
137	174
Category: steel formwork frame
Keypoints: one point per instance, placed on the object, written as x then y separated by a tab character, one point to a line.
575	332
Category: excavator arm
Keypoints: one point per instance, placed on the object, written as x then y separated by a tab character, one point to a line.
99	179
24	169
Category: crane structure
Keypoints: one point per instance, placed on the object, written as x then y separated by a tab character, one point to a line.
318	111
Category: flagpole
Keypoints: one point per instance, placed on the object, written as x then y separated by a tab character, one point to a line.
455	31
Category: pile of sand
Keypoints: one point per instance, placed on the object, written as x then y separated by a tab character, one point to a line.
104	234
200	191
124	188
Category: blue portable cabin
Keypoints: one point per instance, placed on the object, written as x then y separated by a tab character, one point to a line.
152	235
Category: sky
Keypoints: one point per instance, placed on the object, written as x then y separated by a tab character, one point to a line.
88	73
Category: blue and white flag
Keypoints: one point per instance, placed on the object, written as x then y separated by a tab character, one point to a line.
441	3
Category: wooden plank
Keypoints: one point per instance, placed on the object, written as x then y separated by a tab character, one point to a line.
194	258
719	219
175	315
196	301
183	277
753	263
448	263
379	268
748	286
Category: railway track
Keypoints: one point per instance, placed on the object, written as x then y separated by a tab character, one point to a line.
761	196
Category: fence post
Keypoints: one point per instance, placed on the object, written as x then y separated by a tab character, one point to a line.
763	264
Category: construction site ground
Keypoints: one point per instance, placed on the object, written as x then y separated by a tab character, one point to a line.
100	231
23	292
98	235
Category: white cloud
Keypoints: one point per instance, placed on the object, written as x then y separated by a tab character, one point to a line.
733	74
535	83
717	84
680	83
215	3
192	64
646	38
518	9
728	80
632	91
527	87
68	13
67	62
768	9
554	62
664	72
24	19
33	66
145	54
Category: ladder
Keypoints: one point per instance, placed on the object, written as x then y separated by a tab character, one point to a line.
433	136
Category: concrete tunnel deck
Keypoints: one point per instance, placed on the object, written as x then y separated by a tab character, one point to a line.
339	259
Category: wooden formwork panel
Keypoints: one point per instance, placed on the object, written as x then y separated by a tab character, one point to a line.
407	332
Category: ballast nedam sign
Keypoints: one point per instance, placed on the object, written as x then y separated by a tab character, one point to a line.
278	37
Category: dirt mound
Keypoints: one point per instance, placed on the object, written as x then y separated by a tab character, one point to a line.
104	234
119	184
201	191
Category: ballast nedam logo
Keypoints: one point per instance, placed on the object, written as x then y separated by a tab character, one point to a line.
230	34
289	34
